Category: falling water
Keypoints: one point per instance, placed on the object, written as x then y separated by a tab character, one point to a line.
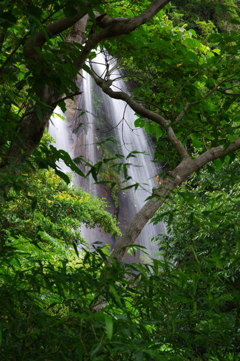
64	138
120	119
107	117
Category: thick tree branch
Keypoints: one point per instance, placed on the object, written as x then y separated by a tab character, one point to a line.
131	23
139	109
217	152
111	27
27	141
117	26
170	182
52	30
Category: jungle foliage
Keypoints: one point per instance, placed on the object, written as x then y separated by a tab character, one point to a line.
183	306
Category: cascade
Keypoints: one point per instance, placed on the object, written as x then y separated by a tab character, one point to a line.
59	130
100	110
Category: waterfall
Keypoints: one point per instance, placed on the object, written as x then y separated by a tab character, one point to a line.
60	132
120	118
113	119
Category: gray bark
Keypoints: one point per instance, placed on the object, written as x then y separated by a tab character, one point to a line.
31	128
187	166
171	181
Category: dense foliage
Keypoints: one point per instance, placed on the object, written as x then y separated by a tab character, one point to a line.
41	270
185	305
198	14
179	78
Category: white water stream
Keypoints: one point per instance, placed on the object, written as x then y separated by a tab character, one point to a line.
59	130
120	119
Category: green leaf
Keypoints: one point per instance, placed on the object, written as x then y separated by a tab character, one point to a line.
138	246
15	262
211	169
62	105
87	69
116	296
170	218
157	355
139	356
135	185
62	175
193	32
159	133
33	10
132	154
218	164
109	326
77	128
217	51
59	116
150	129
80	353
75	248
235	21
95	351
139	123
194	308
196	142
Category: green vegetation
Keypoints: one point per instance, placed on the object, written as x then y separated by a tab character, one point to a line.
223	14
203	246
59	301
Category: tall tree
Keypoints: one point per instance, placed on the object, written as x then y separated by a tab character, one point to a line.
187	92
187	97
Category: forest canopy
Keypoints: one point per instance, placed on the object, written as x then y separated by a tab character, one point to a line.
61	301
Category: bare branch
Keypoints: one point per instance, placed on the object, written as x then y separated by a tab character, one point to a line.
180	116
112	27
169	183
64	98
28	141
131	23
217	152
13	52
175	98
227	93
139	109
53	29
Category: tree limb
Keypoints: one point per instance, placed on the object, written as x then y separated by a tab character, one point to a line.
65	98
112	27
170	182
27	141
183	112
139	109
53	29
12	53
227	93
116	24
